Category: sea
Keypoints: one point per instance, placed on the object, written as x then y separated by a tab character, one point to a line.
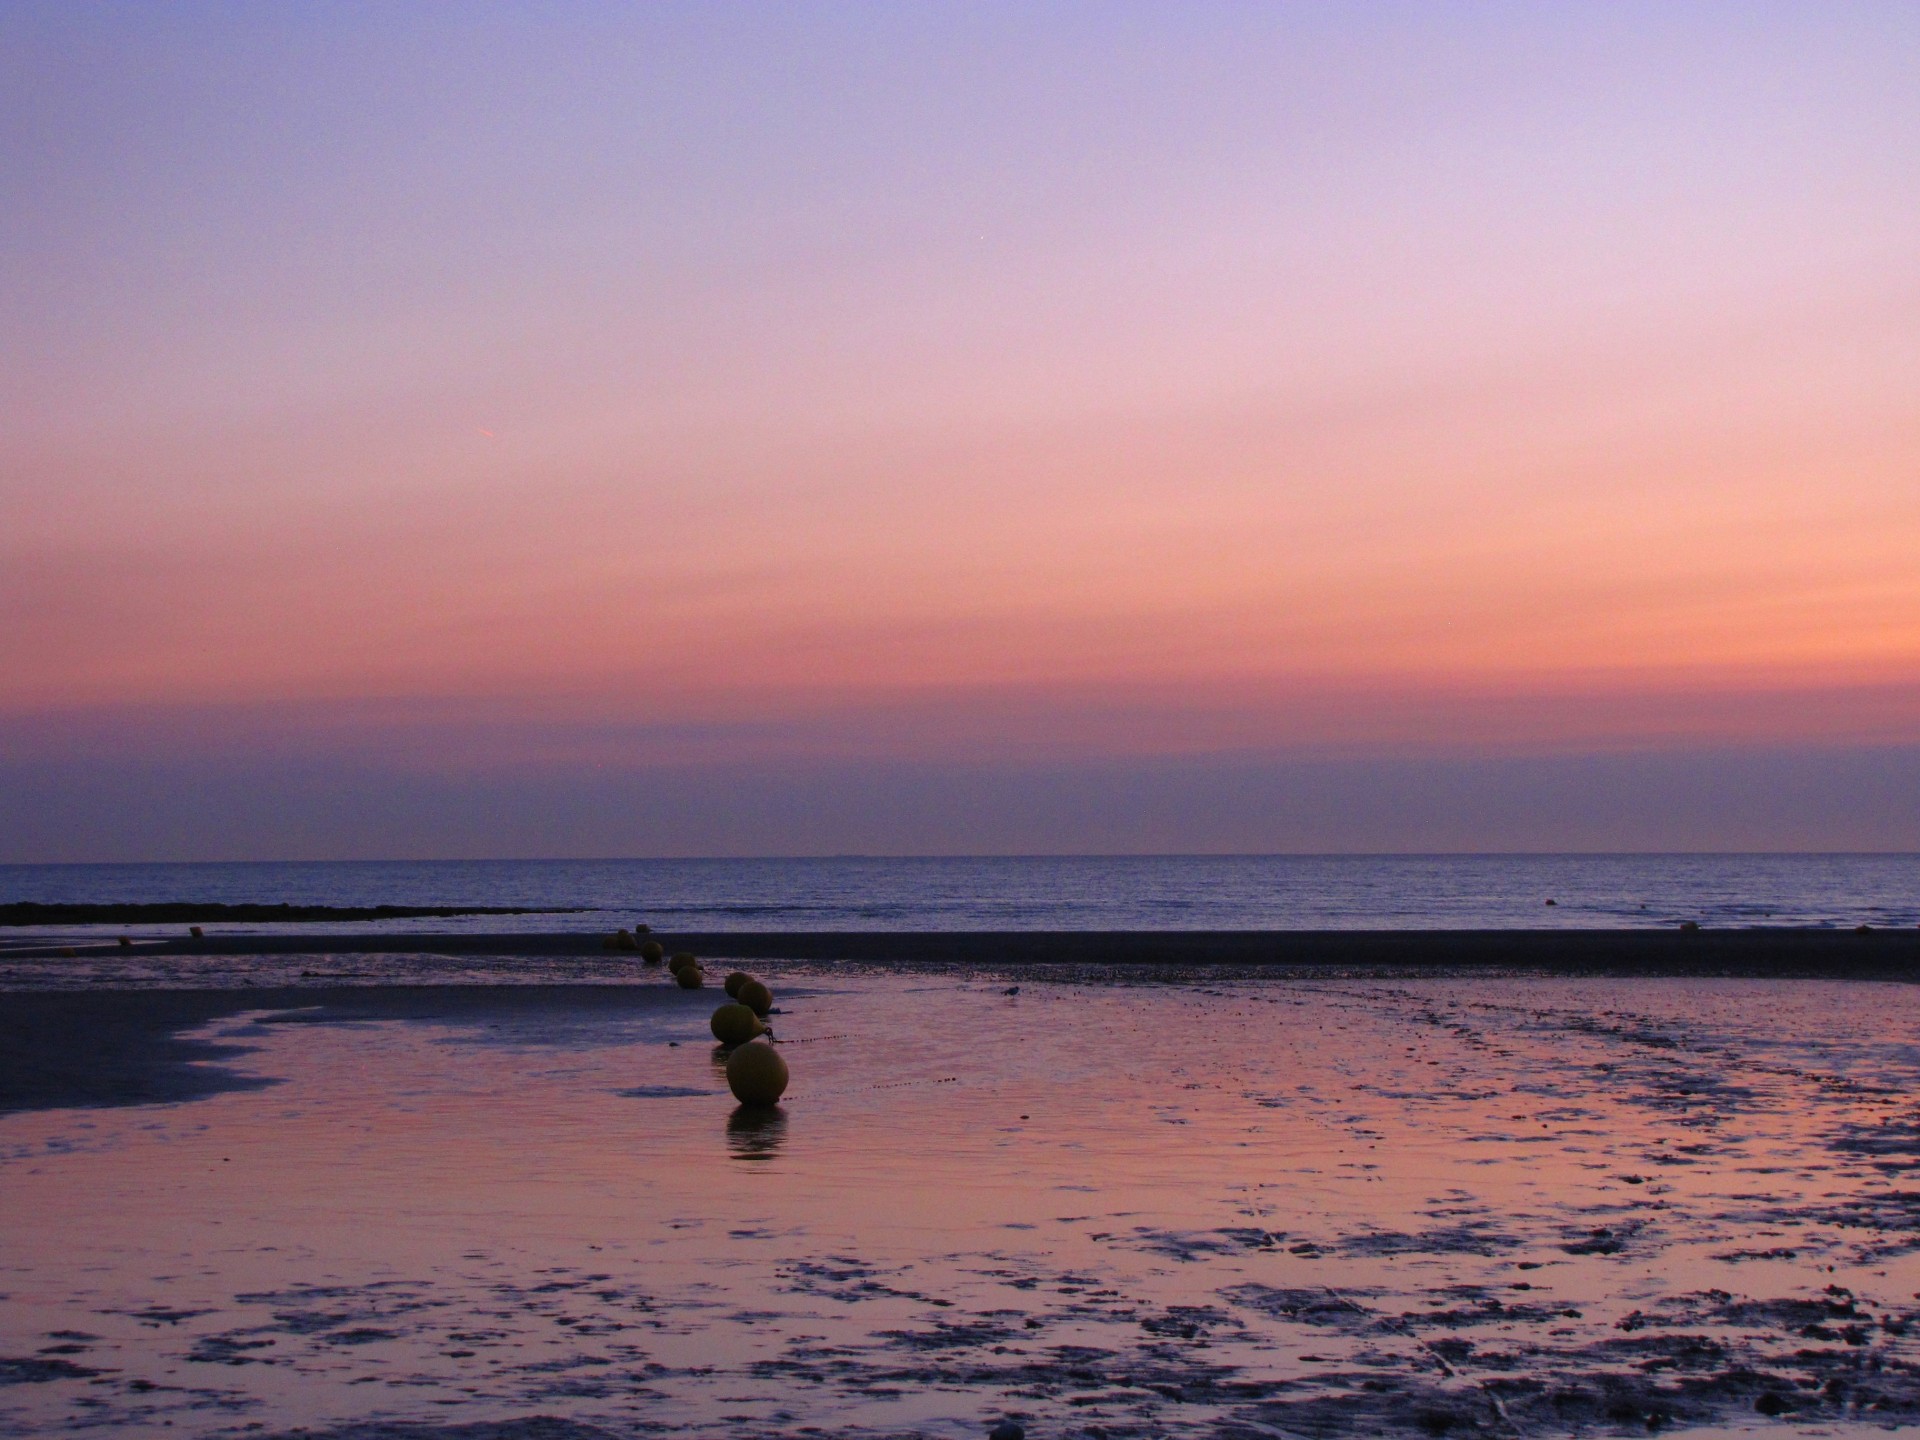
1081	892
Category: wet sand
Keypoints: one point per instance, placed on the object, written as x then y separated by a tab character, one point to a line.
1115	1202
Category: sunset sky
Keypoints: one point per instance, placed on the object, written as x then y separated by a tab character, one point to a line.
583	430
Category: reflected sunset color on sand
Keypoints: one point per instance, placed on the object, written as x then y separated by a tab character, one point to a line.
1322	1204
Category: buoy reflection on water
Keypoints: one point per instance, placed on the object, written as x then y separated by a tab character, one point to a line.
755	1132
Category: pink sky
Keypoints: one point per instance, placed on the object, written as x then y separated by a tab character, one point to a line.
972	383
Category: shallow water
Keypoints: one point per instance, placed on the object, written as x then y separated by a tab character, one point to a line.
1224	1206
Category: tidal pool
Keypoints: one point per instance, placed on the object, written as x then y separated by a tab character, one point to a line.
1219	1204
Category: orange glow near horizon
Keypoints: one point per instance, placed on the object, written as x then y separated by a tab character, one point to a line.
1561	398
1501	545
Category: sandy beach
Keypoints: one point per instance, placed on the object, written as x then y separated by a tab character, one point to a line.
1105	1200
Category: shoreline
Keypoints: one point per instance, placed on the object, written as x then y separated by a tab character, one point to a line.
1811	953
112	1043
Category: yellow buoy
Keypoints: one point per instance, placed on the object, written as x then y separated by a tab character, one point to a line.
735	981
652	953
691	977
757	1074
735	1025
680	958
755	996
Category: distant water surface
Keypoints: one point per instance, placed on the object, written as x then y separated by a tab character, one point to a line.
1181	892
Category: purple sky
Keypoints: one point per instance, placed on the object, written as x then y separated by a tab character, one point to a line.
582	430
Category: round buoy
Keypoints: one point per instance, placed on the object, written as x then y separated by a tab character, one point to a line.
691	977
735	1025
755	996
757	1074
680	958
196	932
652	953
734	982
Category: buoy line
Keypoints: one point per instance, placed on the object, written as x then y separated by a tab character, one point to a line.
904	1084
815	1039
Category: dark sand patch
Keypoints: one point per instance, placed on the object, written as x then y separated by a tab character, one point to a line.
126	1047
38	1370
69	1048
